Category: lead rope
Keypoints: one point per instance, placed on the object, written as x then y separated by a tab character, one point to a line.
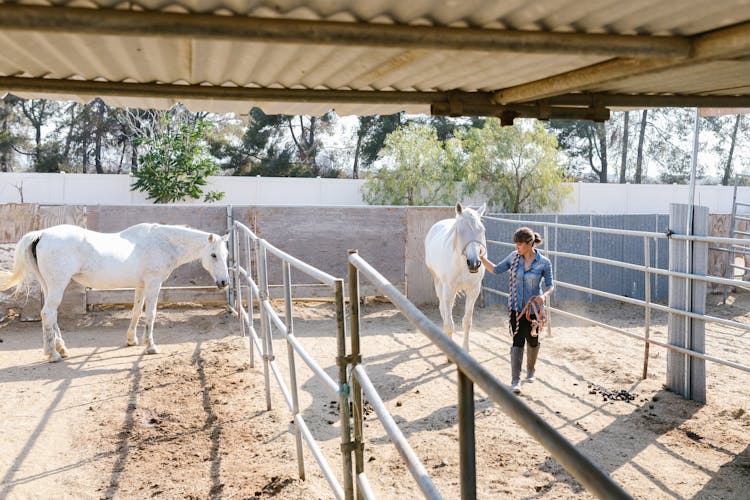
513	290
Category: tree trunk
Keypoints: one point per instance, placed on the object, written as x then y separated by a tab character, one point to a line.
728	166
98	133
624	158
69	136
355	166
4	130
134	159
639	159
601	134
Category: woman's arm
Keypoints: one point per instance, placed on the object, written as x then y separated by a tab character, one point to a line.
487	264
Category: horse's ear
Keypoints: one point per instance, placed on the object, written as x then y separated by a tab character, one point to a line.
459	208
481	210
211	237
225	237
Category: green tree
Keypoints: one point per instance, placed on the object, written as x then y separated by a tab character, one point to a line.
176	163
585	142
416	170
515	168
670	144
9	138
370	137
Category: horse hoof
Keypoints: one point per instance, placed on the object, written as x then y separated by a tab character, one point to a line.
63	353
131	343
152	349
54	357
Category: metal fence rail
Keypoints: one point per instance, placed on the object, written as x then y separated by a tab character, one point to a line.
648	271
256	285
470	372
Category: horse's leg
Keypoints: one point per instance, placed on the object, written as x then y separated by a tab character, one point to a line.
471	298
151	295
447	298
137	310
60	343
45	345
52	338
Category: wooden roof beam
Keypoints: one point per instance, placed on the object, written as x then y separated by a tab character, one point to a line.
269	30
723	44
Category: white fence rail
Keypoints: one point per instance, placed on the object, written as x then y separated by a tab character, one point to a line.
587	198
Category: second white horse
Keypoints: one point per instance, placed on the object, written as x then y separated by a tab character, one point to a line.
452	249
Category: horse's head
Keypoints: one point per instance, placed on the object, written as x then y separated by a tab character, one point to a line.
214	259
470	237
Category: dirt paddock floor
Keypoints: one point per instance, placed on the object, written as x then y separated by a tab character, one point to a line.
191	422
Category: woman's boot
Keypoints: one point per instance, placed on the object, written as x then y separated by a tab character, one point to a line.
516	360
531	363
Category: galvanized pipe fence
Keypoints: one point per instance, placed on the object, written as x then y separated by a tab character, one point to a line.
245	244
648	271
470	372
249	258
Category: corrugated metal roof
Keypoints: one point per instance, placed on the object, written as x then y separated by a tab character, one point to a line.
378	56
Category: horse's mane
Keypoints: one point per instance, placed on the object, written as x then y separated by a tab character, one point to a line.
164	229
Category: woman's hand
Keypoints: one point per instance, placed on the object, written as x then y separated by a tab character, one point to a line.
486	263
538	300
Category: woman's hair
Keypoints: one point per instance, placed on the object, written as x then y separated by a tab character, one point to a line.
526	235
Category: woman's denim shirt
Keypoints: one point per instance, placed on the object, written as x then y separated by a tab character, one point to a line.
529	282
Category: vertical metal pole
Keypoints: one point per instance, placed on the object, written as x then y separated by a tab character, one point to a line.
591	253
546	254
359	442
689	243
250	294
678	325
729	272
647	297
466	441
699	266
238	279
346	443
232	255
287	275
265	327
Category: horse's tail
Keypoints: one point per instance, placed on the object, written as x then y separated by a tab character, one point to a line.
24	265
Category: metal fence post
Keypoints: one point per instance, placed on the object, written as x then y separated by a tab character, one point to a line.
287	276
238	279
358	410
647	297
265	324
686	375
250	291
466	439
343	363
232	253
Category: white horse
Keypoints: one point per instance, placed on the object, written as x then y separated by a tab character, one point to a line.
452	249
140	257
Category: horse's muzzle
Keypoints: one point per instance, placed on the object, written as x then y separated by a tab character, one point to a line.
473	265
221	284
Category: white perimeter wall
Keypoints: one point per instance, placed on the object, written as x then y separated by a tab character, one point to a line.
587	198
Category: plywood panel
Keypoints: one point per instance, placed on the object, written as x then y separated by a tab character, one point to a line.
419	284
322	236
112	219
52	215
17	219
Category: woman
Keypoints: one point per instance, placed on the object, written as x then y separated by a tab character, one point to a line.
528	268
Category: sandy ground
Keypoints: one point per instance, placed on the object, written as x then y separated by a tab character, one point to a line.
192	421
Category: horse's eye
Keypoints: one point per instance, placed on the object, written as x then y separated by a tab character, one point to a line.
213	255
